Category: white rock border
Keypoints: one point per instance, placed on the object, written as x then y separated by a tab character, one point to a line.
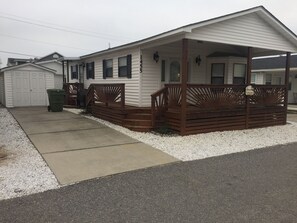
24	171
205	145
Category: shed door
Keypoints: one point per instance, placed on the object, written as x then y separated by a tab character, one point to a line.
29	88
37	88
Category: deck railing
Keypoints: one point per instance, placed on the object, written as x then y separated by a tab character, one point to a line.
159	103
224	101
213	97
106	94
72	91
268	95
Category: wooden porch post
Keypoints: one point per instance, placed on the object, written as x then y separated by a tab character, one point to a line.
248	82
287	74
67	71
249	66
184	80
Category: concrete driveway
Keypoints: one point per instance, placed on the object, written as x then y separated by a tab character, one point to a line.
77	148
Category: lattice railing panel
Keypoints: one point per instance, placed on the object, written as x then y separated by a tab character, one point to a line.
268	95
215	97
107	94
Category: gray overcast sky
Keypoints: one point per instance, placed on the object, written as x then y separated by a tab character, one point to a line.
94	24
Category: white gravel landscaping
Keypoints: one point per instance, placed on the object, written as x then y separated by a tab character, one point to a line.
23	171
201	146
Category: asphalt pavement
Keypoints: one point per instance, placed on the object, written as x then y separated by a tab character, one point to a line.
254	186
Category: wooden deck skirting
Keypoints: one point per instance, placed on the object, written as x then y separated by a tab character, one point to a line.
208	108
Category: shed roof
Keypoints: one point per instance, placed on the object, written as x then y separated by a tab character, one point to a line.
25	65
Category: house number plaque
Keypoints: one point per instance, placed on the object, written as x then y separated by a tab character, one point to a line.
249	90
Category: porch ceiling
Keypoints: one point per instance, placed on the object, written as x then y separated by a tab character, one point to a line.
205	46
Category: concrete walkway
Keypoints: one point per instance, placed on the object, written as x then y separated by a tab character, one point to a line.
77	148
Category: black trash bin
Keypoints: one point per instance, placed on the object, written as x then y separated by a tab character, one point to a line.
56	99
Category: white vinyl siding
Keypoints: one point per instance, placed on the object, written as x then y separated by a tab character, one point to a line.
8	89
132	85
151	77
58	80
2	101
248	30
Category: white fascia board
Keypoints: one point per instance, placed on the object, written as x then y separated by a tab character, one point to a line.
274	70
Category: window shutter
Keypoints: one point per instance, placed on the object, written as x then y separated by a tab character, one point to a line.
104	69
129	66
71	71
93	70
87	70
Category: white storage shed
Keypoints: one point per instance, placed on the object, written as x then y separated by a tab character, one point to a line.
25	85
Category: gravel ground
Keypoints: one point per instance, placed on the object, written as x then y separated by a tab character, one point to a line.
23	171
201	146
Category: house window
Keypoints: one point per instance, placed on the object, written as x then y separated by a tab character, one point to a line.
268	79
90	71
107	68
217	73
239	73
163	71
125	66
74	72
253	78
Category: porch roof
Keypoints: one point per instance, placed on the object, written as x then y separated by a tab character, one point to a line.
187	32
271	63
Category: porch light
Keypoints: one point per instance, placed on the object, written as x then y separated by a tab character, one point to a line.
198	60
156	56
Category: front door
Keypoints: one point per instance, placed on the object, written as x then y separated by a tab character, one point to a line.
174	71
37	84
170	71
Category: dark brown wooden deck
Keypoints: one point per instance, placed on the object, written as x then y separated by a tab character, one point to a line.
209	107
225	107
